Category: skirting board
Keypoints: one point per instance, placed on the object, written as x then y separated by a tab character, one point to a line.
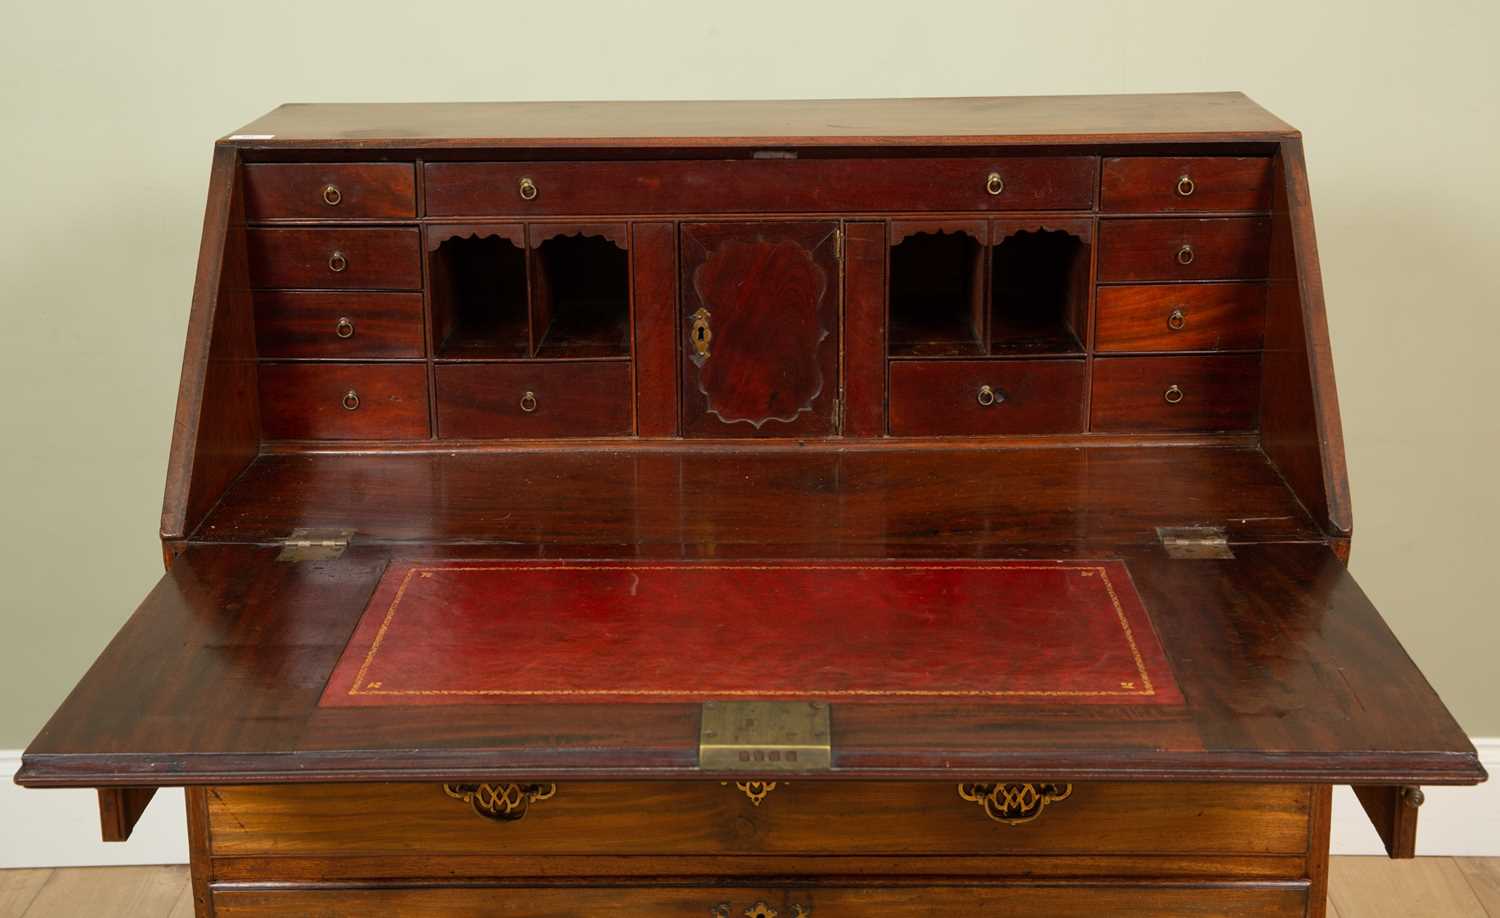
60	828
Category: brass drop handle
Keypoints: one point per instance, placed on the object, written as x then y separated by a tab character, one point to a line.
989	396
528	402
1173	395
527	188
337	262
994	184
1185	255
1177	321
760	909
344	328
351	400
700	335
1186	186
332	196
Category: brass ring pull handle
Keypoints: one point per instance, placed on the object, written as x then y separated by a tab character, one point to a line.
1177	321
1185	255
1173	395
989	396
350	400
1186	186
1014	804
332	196
337	262
501	802
700	335
994	184
527	189
528	402
344	328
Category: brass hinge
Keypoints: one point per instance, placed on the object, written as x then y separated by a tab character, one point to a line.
1187	543
765	737
314	544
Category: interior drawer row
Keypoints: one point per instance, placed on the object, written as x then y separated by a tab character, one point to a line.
360	401
1129	184
1129	395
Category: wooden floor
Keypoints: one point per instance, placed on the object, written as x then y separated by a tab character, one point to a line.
1362	887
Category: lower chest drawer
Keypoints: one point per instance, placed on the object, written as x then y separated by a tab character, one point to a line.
534	399
343	401
1176	393
1007	900
978	397
916	826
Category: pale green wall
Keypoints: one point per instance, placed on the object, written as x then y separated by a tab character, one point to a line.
108	111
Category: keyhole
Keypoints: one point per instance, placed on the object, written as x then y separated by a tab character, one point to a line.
700	333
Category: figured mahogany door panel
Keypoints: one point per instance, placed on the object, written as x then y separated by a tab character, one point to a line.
1150	184
536	398
343	401
808	900
977	397
337	324
339	258
762	186
1176	393
334	191
1180	317
760	321
1184	248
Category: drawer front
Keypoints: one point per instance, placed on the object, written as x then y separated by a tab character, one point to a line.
567	399
338	325
1224	248
1176	393
336	191
343	401
335	258
804	818
772	186
1181	317
1162	184
977	397
1001	900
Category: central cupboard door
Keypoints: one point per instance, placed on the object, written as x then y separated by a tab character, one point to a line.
760	329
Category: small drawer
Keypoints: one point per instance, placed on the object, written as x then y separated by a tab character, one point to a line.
877	897
760	186
338	325
1181	317
335	191
1176	393
335	258
534	398
1224	248
1164	184
937	398
343	401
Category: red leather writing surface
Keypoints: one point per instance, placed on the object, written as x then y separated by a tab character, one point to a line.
1018	631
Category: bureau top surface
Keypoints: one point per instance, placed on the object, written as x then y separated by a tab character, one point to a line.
1178	117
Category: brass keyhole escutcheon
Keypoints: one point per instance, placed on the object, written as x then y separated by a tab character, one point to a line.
1186	186
350	400
700	336
994	184
527	189
1173	395
337	262
332	196
1185	255
1177	320
990	396
344	328
528	402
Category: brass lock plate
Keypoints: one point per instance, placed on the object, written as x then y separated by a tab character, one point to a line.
765	736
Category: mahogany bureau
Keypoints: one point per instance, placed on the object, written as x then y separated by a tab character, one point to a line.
766	509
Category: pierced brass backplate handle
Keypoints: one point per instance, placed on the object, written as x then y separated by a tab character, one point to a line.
501	802
1014	804
700	334
760	909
